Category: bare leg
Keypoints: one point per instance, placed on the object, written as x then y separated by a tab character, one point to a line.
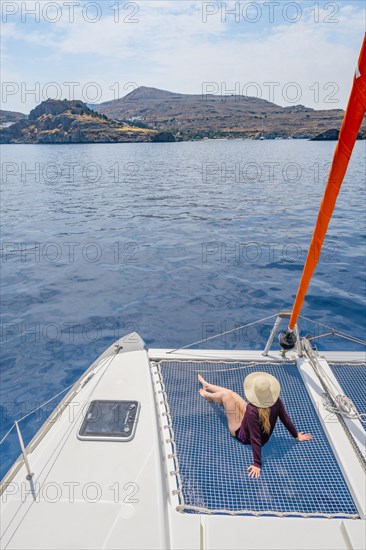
209	387
233	403
216	397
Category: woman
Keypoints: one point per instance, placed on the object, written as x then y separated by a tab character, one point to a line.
252	423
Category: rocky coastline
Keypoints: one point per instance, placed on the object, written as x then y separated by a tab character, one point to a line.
152	115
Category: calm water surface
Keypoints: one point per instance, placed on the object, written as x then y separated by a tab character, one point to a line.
176	241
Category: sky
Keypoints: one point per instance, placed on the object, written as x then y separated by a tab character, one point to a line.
302	52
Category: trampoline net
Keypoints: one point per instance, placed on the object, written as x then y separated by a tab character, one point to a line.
299	479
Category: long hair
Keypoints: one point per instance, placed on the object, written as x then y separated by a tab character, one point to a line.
264	418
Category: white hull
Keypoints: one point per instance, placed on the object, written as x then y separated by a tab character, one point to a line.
108	494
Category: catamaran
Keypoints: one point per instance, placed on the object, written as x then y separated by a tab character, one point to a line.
132	457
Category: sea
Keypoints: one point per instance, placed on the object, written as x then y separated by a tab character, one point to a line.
176	241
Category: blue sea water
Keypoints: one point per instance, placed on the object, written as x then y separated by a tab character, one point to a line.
177	241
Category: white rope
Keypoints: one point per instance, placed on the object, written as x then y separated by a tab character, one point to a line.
342	405
264	512
333	402
174	455
223	333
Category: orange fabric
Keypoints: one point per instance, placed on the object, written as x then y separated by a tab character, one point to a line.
348	134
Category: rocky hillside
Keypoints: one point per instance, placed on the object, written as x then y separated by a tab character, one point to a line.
197	116
65	121
10	117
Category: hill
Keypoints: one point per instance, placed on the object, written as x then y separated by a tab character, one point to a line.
55	121
196	116
10	117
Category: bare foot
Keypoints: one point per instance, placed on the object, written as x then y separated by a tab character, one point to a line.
205	394
203	382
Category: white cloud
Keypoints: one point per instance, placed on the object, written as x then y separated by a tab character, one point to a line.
170	47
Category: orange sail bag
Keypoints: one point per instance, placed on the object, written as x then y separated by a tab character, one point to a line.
352	120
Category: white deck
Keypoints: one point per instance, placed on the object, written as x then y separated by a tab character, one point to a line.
142	512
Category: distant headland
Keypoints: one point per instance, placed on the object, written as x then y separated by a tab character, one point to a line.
55	121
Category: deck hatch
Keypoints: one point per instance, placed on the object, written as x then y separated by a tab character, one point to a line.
298	479
110	421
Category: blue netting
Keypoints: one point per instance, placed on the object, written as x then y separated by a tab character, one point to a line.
296	478
352	379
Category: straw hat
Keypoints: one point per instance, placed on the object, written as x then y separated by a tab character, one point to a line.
261	389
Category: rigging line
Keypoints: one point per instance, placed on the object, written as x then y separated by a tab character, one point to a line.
34	410
320	336
223	333
51	399
339	333
62	391
7	433
353	339
57	451
332	387
330	328
335	333
46	402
